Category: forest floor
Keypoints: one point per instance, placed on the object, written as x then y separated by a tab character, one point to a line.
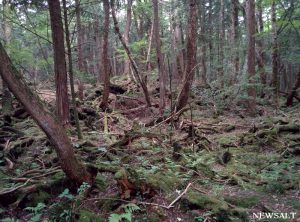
205	165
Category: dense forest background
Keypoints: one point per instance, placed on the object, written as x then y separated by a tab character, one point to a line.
149	110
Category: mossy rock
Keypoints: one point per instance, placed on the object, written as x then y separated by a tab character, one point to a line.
218	208
88	216
196	200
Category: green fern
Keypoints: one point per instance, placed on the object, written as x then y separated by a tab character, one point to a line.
129	209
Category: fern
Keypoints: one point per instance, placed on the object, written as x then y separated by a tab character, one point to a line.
128	209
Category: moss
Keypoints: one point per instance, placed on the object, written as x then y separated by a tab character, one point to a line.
274	187
100	183
163	181
201	201
38	197
88	216
242	201
226	141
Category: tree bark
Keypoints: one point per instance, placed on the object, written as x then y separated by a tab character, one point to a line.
221	44
74	170
250	14
275	84
71	75
132	62
293	92
191	50
159	58
260	55
202	12
62	100
126	37
6	95
105	60
234	40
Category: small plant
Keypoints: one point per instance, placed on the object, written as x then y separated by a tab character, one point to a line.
65	210
127	215
37	212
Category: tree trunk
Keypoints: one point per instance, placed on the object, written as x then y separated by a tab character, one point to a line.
191	50
274	53
79	37
210	44
6	95
126	37
62	100
293	92
234	40
105	60
202	12
148	59
132	62
260	57
221	45
159	58
74	170
71	75
250	9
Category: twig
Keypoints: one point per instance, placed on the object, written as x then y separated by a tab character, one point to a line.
184	192
7	191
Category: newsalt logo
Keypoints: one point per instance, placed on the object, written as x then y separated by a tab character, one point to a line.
273	215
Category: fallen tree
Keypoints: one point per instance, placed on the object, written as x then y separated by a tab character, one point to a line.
74	170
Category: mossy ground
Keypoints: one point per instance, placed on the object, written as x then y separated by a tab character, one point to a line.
262	173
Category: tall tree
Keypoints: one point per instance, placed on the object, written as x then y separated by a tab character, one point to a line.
6	26
105	60
71	75
260	50
234	39
60	69
159	57
136	71
274	53
191	50
75	171
221	42
202	13
126	36
250	14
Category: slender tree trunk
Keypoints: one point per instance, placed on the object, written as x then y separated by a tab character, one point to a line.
6	95
260	57
293	92
71	75
159	57
133	64
250	13
210	44
126	36
80	63
74	170
235	40
105	60
148	60
174	44
62	100
191	50
202	12
274	53
221	44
